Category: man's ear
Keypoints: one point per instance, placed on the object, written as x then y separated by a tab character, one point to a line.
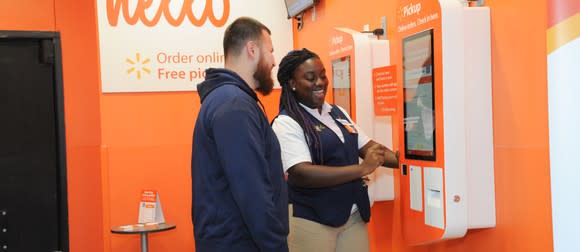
252	48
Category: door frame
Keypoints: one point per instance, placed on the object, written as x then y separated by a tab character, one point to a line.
60	125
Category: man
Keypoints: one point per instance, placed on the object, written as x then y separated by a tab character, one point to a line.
240	200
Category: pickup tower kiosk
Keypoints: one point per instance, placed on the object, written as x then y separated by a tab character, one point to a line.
446	138
353	55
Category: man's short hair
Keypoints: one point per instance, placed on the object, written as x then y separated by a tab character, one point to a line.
241	31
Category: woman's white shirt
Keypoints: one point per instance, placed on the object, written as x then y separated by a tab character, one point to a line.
291	136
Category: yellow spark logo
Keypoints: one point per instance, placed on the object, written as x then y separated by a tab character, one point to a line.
137	65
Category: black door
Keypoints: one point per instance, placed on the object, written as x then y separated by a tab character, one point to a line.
32	164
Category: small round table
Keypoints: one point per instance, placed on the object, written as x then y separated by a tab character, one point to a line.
142	230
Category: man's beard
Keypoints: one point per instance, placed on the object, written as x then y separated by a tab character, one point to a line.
264	77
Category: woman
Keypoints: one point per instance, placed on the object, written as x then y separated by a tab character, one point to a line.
321	147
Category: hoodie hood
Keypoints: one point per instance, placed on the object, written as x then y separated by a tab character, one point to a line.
217	77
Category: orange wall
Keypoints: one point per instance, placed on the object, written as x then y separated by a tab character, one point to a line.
147	139
75	22
27	15
520	123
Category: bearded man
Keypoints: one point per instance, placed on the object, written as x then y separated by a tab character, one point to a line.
239	195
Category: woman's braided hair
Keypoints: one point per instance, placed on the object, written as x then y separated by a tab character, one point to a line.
288	101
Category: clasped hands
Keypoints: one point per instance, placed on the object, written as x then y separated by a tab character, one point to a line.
377	155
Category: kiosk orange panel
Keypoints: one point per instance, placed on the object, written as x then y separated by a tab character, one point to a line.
342	53
414	229
447	137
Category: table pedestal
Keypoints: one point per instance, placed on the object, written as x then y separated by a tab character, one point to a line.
143	230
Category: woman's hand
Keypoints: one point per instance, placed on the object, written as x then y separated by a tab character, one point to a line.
391	159
374	157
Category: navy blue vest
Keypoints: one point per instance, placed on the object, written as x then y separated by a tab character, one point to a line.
332	205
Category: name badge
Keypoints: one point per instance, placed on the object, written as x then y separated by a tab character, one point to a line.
347	125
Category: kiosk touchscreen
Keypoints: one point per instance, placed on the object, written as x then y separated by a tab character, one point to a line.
341	82
446	184
419	105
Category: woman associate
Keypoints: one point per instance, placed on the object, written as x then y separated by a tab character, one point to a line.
321	147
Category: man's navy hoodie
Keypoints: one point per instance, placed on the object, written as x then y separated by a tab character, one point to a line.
240	199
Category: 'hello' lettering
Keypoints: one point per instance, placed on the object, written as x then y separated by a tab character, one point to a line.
115	7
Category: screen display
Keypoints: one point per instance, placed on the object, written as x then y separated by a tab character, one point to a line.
341	82
419	103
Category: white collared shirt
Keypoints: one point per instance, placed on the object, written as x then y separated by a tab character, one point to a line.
291	136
